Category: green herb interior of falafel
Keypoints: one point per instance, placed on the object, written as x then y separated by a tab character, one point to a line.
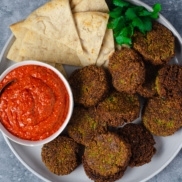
125	17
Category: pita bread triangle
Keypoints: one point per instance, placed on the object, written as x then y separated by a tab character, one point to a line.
88	5
19	33
30	45
46	49
91	27
18	30
108	46
107	49
55	21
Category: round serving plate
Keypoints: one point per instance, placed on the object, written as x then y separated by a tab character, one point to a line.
31	156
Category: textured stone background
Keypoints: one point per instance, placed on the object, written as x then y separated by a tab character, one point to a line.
11	11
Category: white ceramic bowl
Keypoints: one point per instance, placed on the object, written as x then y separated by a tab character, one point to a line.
69	113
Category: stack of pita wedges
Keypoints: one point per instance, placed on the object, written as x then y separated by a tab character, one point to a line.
71	32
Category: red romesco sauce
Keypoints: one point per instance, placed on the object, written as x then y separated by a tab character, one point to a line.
35	105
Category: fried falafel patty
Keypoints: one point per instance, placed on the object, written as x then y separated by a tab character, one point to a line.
89	85
60	156
84	125
156	46
169	81
141	141
127	70
118	108
162	117
106	157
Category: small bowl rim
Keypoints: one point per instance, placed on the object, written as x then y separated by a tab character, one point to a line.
70	109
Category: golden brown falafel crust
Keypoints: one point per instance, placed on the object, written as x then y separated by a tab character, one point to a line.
141	141
89	85
118	108
84	125
169	81
162	117
99	178
157	46
106	157
60	156
127	70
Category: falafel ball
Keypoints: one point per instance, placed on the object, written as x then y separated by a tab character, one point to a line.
84	125
127	70
118	108
89	85
61	155
169	81
141	141
162	117
156	46
106	157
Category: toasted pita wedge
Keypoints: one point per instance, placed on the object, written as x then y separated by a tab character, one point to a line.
38	47
18	30
88	5
74	3
107	49
54	20
13	53
108	42
91	28
30	45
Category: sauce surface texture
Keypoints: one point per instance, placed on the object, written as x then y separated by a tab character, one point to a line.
35	105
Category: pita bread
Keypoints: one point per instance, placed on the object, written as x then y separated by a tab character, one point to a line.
108	41
41	48
18	30
74	3
89	5
13	53
107	49
54	20
91	28
48	38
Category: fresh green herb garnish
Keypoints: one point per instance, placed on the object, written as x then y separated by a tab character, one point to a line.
126	17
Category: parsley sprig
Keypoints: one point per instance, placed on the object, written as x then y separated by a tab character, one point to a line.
125	17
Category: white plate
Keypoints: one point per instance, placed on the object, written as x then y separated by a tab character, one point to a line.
167	147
